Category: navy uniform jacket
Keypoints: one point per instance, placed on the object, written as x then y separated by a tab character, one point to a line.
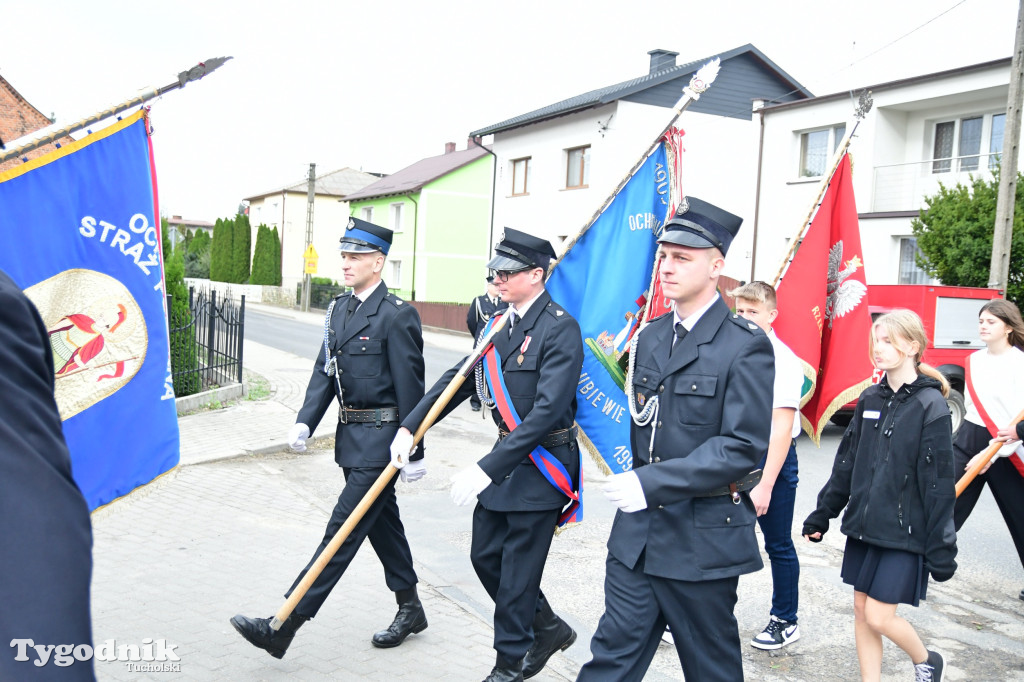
480	311
46	543
543	390
714	419
380	362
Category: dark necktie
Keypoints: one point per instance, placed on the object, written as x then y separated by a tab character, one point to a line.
353	303
680	335
512	317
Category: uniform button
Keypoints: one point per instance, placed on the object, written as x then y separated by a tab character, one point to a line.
728	519
364	348
661	506
659	425
657	459
644	380
661	389
693	388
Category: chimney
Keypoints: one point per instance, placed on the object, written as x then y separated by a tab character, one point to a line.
662	59
449	147
472	142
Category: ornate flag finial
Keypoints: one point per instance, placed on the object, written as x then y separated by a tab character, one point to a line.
703	79
864	104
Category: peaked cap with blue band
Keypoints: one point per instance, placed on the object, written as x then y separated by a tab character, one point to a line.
520	251
701	225
363	237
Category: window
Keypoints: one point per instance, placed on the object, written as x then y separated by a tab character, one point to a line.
394	278
396	216
910	271
520	177
958	143
816	149
577	167
368	214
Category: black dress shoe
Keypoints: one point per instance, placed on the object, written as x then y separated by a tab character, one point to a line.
257	631
550	634
409	620
506	671
1021	595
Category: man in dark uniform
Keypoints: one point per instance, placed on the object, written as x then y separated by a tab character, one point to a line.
481	310
46	545
518	508
371	360
700	391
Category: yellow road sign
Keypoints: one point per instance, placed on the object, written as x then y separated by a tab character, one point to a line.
310	252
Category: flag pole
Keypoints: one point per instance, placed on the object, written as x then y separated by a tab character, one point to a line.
385	477
698	85
864	104
193	74
986	457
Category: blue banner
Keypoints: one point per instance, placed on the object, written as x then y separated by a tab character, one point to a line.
602	281
82	237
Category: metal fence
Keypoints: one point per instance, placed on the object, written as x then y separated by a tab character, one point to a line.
206	348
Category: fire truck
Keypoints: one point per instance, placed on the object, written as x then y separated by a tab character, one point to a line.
950	316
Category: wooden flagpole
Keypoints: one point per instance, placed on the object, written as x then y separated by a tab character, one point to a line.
986	457
193	74
864	104
698	85
382	481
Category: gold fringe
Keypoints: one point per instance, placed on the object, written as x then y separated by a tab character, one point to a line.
844	397
137	489
595	454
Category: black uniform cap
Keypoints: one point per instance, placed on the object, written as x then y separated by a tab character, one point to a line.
363	237
519	251
701	225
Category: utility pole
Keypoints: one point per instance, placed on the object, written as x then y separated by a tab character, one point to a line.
310	195
1002	236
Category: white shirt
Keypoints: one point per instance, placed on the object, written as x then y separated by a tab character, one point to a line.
366	294
997	380
519	312
789	380
691	321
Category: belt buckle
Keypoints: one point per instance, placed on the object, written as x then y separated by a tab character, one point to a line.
343	415
734	493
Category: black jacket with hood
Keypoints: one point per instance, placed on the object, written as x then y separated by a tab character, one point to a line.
894	474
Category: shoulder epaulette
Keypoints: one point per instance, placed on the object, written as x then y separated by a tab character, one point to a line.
556	311
394	300
744	323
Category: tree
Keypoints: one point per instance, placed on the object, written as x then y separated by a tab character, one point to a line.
277	252
241	247
220	250
197	257
183	346
266	264
954	233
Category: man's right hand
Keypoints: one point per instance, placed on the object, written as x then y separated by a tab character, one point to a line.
297	437
401	446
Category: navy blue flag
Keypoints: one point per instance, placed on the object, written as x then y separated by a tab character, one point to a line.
602	280
83	240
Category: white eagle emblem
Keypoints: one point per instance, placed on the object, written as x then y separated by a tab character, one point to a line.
351	223
843	295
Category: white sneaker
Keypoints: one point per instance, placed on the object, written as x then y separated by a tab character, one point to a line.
777	634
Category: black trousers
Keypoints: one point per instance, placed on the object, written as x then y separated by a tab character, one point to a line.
508	552
381	524
1005	482
637	607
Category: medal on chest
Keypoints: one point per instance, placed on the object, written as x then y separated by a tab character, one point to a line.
522	351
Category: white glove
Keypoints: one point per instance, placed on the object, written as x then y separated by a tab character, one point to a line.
401	446
469	483
297	437
413	471
625	492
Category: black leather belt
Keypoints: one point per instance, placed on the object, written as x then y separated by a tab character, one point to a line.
375	415
734	489
553	439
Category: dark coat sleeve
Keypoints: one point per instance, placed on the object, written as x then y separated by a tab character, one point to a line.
471	317
833	497
405	358
320	391
937	488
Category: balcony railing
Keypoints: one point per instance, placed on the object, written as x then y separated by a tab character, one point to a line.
903	186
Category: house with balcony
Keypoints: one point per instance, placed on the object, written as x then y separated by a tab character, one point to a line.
936	128
439	209
556	165
285	209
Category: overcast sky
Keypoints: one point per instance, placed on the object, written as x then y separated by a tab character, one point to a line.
378	85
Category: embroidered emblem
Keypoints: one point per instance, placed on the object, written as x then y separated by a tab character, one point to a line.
351	223
684	206
640	399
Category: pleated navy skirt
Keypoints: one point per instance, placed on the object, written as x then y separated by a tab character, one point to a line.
891	576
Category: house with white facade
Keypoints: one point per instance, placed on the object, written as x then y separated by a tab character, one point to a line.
936	128
285	209
555	166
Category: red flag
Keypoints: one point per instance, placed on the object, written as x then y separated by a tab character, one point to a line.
823	307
